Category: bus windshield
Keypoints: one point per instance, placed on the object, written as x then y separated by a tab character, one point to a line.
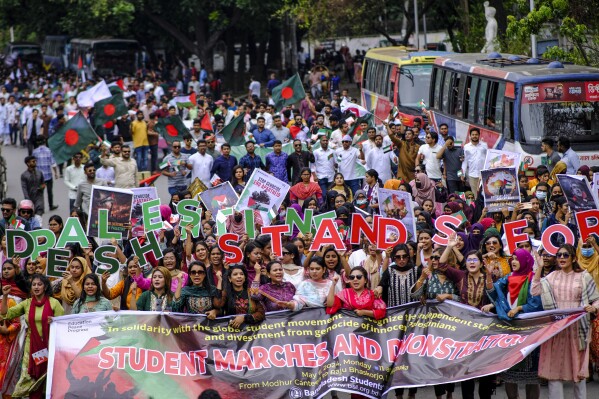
414	83
552	109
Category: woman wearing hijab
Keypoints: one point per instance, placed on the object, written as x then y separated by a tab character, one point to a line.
510	296
72	282
423	188
361	201
585	171
559	169
329	204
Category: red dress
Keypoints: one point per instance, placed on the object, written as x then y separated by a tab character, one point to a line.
348	299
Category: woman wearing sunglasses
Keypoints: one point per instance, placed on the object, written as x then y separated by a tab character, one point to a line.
511	296
359	297
398	278
198	296
494	257
565	357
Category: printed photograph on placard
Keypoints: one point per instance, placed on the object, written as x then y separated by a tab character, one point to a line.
500	188
140	195
577	191
398	205
118	202
502	159
218	198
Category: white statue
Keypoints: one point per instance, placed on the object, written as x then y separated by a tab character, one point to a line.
490	30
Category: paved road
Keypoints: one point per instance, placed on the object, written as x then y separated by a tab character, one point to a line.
14	159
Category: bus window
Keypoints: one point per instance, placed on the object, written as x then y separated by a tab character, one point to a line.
372	75
457	94
471	93
446	89
383	84
481	102
436	87
508	119
498	110
380	74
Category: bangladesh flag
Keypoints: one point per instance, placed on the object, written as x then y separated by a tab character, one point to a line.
289	92
73	137
171	128
234	132
109	109
186	101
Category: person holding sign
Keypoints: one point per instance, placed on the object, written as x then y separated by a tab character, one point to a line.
199	296
159	298
510	296
565	357
124	287
91	299
72	282
39	310
238	302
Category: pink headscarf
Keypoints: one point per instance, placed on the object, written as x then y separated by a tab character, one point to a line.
526	262
426	191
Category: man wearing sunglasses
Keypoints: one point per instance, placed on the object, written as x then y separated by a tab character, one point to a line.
9	218
27	211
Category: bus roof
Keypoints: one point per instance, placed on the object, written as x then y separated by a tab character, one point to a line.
399	54
515	68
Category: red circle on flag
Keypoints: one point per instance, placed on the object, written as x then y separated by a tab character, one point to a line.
172	130
71	137
109	110
109	125
287	93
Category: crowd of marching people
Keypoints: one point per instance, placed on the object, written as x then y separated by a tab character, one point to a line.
192	276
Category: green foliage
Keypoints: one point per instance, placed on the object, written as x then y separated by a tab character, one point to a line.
474	41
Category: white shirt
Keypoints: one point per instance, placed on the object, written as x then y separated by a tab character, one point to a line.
431	163
346	159
268	123
381	162
12	111
335	140
255	88
106	173
72	177
202	164
474	158
324	164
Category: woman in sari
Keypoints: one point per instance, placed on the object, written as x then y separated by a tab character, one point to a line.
39	310
11	275
9	330
305	189
72	282
199	296
358	298
91	299
159	297
277	294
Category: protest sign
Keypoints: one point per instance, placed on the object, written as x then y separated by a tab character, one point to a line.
578	192
196	187
262	193
118	203
289	355
140	195
502	159
218	198
500	188
398	205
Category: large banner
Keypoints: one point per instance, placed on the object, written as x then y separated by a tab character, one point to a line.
290	355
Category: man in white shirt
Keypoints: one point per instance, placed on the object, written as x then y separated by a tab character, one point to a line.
73	175
254	88
475	153
323	168
369	144
201	163
268	121
378	160
347	156
338	134
427	155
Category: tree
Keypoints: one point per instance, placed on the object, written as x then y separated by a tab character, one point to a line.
563	17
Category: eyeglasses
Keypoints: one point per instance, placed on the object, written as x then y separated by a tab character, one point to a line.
355	277
492	242
401	256
26	211
565	255
435	257
176	146
286	253
196	272
472	260
297	145
6	210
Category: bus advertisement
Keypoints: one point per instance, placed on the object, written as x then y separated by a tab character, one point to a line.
516	102
396	76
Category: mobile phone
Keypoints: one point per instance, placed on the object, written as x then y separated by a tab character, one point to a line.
526	205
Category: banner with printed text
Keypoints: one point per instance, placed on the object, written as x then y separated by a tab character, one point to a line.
289	355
